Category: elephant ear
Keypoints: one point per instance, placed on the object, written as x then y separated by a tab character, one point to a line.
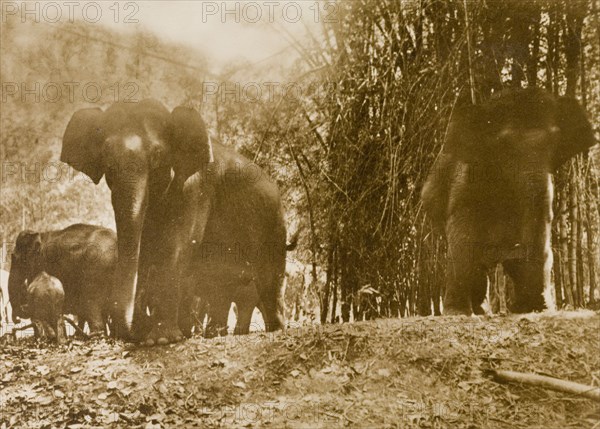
576	134
189	142
82	143
436	190
463	145
28	243
468	134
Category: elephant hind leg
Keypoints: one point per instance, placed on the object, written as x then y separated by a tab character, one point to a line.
246	301
244	317
218	315
272	306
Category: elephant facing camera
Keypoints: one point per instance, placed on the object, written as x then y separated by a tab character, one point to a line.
492	185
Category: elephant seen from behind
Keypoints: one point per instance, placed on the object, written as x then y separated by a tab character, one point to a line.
490	192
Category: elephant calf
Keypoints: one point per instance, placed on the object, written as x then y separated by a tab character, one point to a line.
44	305
82	257
490	191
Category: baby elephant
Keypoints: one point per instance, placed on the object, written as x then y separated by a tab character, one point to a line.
82	257
44	305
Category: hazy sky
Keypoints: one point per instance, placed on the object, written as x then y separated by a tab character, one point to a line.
224	30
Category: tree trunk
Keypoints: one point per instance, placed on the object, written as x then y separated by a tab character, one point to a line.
519	43
331	269
532	66
564	247
572	45
491	47
573	217
550	55
591	235
579	177
558	267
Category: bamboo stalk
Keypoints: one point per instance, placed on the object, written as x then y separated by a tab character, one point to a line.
573	217
469	54
551	383
564	248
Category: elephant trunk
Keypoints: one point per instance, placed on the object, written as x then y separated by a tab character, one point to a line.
129	204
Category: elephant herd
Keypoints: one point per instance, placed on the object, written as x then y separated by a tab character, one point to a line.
66	271
196	220
193	218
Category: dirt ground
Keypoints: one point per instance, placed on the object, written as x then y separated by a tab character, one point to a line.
401	373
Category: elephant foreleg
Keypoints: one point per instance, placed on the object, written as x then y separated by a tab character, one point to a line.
465	287
529	280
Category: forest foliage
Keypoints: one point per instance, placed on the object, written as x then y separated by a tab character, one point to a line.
379	86
350	141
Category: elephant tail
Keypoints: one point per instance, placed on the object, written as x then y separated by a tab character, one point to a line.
293	243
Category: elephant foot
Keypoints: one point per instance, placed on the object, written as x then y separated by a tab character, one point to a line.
121	330
163	334
478	310
187	333
186	327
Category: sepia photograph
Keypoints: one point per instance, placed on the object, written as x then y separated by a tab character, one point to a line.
300	214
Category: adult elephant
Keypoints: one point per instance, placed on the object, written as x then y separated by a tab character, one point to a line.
193	208
490	191
82	257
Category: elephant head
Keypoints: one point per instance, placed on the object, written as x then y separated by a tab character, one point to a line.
512	140
491	189
142	150
26	263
